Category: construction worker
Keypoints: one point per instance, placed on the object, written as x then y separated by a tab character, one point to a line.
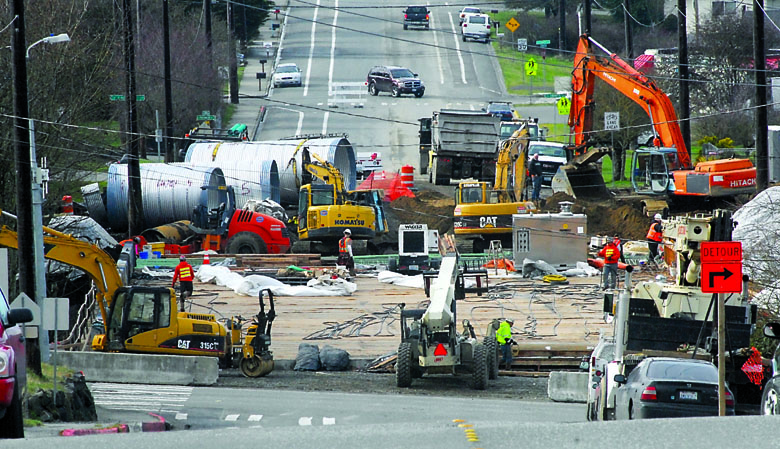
655	235
611	254
345	252
185	274
504	338
535	171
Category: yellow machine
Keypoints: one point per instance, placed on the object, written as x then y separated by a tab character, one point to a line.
144	319
483	214
326	210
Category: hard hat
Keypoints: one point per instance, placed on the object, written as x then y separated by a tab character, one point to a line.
610	239
510	321
347	231
657	216
182	257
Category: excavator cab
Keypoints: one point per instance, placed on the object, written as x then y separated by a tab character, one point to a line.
471	193
651	170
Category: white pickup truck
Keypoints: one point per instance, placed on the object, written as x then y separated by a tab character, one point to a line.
366	163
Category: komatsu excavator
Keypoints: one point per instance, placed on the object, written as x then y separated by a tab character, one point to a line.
663	173
483	214
326	210
144	319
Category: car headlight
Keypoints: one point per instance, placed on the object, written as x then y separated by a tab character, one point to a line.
4	365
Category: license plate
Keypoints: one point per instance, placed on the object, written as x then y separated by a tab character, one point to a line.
414	267
548	178
689	395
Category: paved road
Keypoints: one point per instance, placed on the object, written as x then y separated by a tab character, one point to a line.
341	46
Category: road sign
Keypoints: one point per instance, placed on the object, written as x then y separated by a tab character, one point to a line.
724	277
716	252
544	42
140	98
530	67
522	44
612	121
564	106
116	97
201	118
721	267
512	24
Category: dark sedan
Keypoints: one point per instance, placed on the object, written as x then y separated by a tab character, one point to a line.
662	387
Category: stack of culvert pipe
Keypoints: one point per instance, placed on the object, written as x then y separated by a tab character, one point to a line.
169	192
251	179
288	155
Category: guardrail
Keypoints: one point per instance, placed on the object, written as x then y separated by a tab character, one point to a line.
346	93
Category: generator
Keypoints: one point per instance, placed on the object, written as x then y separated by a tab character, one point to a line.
560	239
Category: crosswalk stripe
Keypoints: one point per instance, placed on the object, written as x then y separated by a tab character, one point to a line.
232	417
255	417
328	421
305	420
149	398
181	416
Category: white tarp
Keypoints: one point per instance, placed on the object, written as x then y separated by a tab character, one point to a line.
391	277
253	284
758	228
582	270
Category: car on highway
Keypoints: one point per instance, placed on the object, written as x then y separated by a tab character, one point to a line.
12	368
551	155
666	387
467	11
287	75
476	26
503	109
396	80
602	354
418	16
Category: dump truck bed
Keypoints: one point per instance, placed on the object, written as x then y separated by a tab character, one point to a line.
465	132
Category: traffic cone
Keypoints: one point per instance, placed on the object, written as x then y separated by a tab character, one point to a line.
206	259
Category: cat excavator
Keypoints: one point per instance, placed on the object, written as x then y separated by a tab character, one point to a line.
663	174
141	319
483	214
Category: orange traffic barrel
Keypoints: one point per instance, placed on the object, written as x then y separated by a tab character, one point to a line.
407	176
67	206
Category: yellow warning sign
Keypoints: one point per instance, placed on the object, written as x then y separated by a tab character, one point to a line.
564	106
512	24
530	67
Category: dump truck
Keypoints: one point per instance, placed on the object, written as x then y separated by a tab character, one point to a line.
459	144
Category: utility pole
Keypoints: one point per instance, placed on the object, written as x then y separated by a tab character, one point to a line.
586	15
685	97
24	212
135	214
759	56
233	69
629	29
169	153
562	25
207	26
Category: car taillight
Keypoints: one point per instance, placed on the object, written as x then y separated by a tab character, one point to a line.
465	25
729	399
649	394
406	16
488	27
427	17
598	373
593	361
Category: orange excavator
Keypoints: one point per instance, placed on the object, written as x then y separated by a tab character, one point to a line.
663	174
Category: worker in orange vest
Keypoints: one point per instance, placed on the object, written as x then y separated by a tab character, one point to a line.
345	252
655	235
611	254
185	274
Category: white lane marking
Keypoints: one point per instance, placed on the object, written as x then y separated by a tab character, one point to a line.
311	49
436	45
300	118
324	123
490	90
328	421
150	398
255	417
181	416
305	420
279	50
457	48
471	106
232	417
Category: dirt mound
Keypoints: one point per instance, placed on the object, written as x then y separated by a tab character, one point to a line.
436	213
606	217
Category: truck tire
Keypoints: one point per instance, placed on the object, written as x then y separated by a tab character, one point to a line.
403	366
406	27
491	346
12	424
392	264
479	375
246	243
770	399
372	89
395	92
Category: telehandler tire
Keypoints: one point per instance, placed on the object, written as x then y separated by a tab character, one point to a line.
491	346
403	366
479	375
246	243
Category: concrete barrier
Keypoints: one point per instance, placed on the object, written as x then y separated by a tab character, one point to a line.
566	386
142	368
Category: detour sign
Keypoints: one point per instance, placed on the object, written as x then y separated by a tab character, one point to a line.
714	252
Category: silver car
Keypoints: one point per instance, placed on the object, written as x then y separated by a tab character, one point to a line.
287	75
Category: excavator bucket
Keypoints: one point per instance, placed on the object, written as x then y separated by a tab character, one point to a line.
581	177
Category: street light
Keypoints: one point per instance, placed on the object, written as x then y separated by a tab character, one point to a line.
38	177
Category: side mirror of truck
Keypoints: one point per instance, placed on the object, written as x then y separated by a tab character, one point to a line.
619	378
772	330
18	316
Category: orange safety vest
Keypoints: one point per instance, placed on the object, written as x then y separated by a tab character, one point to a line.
654	235
343	244
611	253
183	272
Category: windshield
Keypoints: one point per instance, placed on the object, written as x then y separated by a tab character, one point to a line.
402	73
287	69
471	195
547	151
682	371
322	197
478	19
416	10
471	10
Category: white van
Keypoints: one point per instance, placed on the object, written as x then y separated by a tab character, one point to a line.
476	26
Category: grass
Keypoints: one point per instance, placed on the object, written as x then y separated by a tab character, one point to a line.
46	381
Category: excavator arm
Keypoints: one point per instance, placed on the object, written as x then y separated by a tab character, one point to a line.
326	172
85	256
510	166
631	83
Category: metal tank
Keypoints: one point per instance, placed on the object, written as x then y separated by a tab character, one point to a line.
169	192
251	179
288	155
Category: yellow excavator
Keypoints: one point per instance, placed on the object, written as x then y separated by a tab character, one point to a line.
483	214
141	319
326	210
